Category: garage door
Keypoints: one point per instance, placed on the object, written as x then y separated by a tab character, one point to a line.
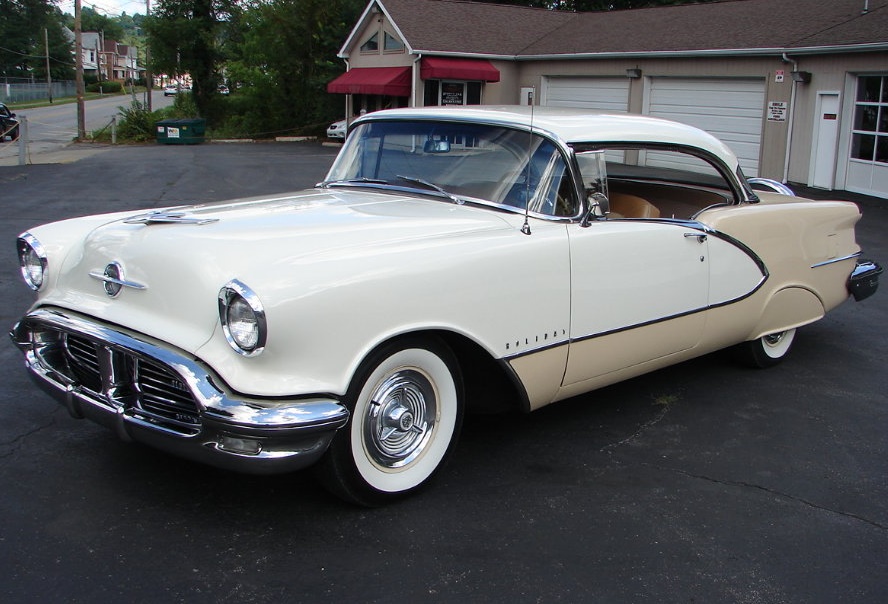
730	109
603	94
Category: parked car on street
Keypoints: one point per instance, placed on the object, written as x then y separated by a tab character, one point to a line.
170	90
453	259
337	130
9	125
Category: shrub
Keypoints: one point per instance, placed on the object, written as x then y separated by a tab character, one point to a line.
105	87
137	123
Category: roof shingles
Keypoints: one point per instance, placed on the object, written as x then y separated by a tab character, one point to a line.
459	26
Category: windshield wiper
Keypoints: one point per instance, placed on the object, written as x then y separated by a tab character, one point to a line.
433	186
354	181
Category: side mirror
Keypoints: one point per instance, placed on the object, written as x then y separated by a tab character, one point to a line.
436	146
599	203
598	207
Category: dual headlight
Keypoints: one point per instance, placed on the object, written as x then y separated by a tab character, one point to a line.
32	260
243	318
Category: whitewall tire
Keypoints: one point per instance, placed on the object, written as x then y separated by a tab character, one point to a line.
406	407
768	350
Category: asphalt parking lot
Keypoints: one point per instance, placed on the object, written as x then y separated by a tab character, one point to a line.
704	482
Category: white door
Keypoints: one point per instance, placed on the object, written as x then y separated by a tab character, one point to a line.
731	109
867	170
630	274
826	136
602	94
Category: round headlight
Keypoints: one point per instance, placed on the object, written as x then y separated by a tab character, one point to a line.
243	318
32	259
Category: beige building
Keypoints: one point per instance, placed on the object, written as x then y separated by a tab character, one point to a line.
798	88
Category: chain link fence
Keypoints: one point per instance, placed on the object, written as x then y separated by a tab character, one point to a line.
14	90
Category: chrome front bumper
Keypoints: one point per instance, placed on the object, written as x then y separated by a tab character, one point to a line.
149	392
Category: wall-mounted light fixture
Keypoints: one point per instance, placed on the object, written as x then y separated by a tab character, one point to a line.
803	77
633	73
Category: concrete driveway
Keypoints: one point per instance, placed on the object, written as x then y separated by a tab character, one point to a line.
704	482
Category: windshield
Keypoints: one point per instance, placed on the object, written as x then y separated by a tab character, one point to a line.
459	161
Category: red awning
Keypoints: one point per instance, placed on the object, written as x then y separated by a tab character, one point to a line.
444	68
391	81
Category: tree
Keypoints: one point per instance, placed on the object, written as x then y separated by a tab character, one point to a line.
285	56
92	20
185	37
23	42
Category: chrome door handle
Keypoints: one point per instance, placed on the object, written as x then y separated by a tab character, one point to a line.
701	237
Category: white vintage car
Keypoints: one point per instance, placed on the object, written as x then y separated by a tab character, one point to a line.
453	260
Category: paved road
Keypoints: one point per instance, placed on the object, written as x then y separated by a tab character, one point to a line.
704	482
54	127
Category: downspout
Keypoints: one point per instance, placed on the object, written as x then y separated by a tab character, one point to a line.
348	97
413	80
792	97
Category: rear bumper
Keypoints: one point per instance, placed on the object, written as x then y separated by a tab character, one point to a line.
214	426
864	281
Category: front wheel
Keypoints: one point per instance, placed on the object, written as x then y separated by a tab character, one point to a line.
406	407
766	351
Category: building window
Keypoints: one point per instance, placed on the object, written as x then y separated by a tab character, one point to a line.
869	141
392	44
445	92
372	44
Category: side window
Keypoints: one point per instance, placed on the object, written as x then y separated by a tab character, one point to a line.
650	183
548	176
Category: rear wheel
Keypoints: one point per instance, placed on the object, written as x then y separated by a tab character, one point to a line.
766	351
406	407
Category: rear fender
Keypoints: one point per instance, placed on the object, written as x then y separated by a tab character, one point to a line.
787	309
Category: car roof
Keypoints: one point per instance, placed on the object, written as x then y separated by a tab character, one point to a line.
573	125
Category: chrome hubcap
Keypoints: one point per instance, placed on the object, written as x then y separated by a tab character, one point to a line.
400	418
774	339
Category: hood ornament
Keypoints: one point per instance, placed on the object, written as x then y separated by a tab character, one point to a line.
114	281
167	217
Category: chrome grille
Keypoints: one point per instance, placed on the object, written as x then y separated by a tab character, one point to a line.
163	395
147	390
83	360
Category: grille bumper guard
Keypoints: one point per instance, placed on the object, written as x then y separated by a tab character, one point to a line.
256	436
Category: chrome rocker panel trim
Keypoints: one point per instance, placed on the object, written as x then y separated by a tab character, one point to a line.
280	435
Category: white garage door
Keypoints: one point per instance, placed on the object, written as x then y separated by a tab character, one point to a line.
730	109
603	94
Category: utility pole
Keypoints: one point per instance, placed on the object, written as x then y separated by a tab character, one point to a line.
48	75
149	80
78	73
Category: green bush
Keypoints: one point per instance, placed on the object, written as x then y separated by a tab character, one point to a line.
137	123
107	87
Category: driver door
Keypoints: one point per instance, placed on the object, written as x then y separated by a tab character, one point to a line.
638	292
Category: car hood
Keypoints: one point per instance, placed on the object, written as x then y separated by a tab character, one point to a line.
176	260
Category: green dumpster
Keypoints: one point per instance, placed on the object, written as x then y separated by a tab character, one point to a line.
183	131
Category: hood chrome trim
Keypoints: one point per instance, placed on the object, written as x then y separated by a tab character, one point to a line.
114	280
163	217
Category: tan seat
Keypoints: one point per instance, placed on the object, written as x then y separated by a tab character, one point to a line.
623	205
